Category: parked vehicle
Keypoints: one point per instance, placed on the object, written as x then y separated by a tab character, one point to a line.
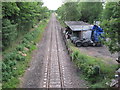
97	35
84	34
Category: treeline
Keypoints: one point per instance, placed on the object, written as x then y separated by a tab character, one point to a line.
108	13
85	11
18	18
23	25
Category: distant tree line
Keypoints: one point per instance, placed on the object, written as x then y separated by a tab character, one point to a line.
85	11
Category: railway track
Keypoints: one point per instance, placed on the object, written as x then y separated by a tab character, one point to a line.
52	72
56	72
52	65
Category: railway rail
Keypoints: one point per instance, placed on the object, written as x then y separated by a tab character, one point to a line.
56	71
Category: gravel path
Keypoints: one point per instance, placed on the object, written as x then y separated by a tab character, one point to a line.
51	66
100	52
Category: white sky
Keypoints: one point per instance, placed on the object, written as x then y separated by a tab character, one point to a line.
52	4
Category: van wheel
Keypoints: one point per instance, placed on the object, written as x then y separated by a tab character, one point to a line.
78	44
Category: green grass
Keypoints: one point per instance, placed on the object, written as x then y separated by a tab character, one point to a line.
42	28
21	66
95	70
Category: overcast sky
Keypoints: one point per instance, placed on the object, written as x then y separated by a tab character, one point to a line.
52	4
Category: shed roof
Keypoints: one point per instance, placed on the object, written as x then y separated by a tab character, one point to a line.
78	25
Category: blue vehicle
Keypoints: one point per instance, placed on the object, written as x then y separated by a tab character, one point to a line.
84	34
96	35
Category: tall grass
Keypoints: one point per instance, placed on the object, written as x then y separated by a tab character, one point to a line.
95	70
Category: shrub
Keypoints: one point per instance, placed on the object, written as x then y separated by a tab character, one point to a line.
20	55
75	55
20	48
25	41
94	69
9	33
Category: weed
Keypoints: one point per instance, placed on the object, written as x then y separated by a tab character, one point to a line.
94	69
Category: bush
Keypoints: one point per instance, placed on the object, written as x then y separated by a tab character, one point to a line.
9	33
7	69
15	62
20	57
75	55
25	41
17	55
20	48
94	69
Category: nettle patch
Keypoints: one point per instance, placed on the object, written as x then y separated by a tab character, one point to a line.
19	54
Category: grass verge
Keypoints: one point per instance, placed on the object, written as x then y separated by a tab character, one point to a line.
16	62
94	69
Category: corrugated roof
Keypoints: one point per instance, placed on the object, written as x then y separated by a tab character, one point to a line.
78	25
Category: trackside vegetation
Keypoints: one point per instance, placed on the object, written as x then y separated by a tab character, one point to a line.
16	61
94	69
97	72
23	24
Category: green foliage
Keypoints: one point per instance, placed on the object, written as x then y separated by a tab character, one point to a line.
84	11
90	11
69	11
11	83
108	11
20	48
98	85
9	63
9	9
15	62
110	24
10	59
9	32
95	70
20	17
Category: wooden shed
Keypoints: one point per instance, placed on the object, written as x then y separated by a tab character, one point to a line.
79	29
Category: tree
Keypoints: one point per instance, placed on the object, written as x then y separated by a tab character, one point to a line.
108	11
69	11
111	26
83	11
90	11
19	17
72	13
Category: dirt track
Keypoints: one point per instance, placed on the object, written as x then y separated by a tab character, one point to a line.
51	66
100	52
